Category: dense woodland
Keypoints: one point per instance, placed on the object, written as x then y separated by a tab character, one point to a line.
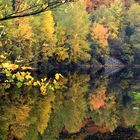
81	32
53	37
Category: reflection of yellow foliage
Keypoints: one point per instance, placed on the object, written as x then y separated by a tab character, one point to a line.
9	66
0	43
111	102
19	122
44	111
75	113
76	107
79	85
111	107
130	116
22	113
100	34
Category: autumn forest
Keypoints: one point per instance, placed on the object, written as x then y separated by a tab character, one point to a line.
69	69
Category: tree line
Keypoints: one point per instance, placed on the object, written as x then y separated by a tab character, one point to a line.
74	33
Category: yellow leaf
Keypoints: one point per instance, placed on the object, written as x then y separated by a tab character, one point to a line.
57	76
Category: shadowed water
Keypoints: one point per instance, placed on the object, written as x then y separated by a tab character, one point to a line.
90	105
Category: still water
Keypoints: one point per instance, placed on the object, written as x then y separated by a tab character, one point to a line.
93	105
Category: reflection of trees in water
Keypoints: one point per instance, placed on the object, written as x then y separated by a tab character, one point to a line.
117	109
15	120
77	103
70	108
107	115
30	116
110	101
102	105
44	110
14	113
25	114
97	94
39	117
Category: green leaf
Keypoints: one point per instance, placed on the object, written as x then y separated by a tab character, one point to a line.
19	84
56	85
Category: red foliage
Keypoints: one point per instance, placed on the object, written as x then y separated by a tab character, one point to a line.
94	4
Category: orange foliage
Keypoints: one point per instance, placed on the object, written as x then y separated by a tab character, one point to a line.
98	100
100	34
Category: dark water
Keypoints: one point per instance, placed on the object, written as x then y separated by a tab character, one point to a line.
93	105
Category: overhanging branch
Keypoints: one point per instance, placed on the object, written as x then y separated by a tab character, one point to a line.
36	9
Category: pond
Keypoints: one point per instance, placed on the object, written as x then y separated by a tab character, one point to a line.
91	105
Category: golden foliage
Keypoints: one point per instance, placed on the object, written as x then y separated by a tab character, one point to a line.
61	53
79	49
48	25
19	120
47	37
44	110
23	29
100	34
117	13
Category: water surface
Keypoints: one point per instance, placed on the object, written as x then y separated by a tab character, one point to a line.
90	105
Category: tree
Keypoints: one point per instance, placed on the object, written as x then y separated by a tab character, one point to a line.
133	20
111	17
100	36
75	30
107	28
16	37
61	52
44	37
131	46
69	108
